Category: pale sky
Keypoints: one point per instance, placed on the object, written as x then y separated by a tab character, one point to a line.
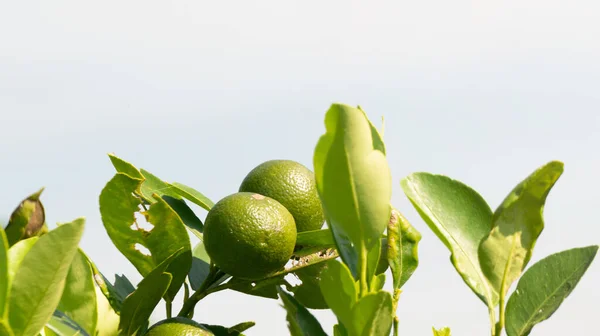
200	92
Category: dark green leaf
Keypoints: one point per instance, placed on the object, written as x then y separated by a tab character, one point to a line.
373	315
264	288
189	218
517	223
138	306
339	290
3	274
543	288
193	195
118	206
5	329
339	330
78	300
402	252
241	327
38	284
309	292
347	251
300	321
317	238
27	220
353	177
460	218
373	261
200	266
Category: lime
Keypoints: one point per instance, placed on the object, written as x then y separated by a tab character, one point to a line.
291	184
178	326
249	235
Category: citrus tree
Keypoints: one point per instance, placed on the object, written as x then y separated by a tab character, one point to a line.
335	230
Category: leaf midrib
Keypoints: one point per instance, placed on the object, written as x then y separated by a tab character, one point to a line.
548	297
478	271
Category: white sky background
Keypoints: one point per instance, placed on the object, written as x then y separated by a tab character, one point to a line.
202	91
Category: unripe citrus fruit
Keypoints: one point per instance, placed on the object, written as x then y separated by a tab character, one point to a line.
249	236
178	326
291	184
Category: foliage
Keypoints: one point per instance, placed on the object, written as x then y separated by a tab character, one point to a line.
49	286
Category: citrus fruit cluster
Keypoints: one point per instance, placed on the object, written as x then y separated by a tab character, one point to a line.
252	233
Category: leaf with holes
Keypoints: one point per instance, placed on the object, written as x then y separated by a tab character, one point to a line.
460	218
118	206
517	223
543	288
39	281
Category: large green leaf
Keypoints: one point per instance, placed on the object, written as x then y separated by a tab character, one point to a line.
27	220
38	284
300	321
460	218
402	251
78	300
543	288
3	274
16	254
373	315
5	329
353	177
138	306
339	290
517	223
118	206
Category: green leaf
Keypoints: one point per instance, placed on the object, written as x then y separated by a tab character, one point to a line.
5	329
373	261
125	167
27	220
517	223
441	332
353	177
377	283
309	292
108	320
264	288
138	306
300	321
543	288
115	294
16	254
78	300
317	238
200	266
339	330
189	218
38	284
3	274
60	324
346	249
118	206
373	315
339	290
193	195
241	327
460	218
402	252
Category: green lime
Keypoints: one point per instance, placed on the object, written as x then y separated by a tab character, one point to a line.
178	326
291	184
249	235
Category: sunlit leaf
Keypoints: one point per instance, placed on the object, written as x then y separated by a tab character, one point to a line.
372	314
339	290
517	223
543	288
402	252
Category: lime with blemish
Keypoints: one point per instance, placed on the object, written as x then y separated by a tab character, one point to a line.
291	184
249	236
